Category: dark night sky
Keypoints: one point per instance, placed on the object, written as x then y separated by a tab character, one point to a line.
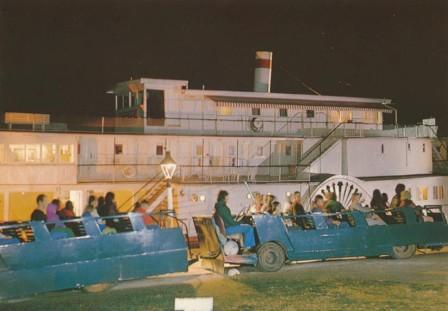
61	56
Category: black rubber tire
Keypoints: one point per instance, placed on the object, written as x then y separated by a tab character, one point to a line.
403	252
271	257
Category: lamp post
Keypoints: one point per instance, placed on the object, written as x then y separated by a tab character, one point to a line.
168	166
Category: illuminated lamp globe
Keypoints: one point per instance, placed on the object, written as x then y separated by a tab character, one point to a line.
168	166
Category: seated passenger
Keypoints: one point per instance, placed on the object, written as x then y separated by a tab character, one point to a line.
68	211
332	207
142	208
59	230
230	224
39	212
274	209
396	199
377	202
372	219
257	206
298	210
318	204
90	210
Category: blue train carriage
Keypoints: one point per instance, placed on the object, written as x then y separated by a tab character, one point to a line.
38	259
280	240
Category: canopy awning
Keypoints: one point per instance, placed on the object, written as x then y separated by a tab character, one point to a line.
297	104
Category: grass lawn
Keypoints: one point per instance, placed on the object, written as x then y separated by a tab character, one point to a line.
257	291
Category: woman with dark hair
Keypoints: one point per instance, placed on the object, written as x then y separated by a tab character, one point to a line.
230	224
90	209
101	207
377	202
67	212
396	200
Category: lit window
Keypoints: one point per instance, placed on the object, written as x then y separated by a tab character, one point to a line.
17	153
260	151
283	112
333	116
256	111
438	193
159	150
310	113
32	153
225	111
288	150
66	153
2	153
423	193
49	153
199	150
118	149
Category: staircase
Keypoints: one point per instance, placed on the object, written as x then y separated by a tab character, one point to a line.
439	157
319	148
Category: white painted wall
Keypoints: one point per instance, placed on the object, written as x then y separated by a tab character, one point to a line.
364	156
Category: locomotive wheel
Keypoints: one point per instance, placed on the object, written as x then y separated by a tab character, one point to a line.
271	257
403	252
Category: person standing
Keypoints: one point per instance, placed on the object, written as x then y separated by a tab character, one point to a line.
90	209
230	224
38	213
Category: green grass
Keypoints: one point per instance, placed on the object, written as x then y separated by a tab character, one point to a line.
269	291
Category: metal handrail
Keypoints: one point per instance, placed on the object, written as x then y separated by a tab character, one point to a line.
141	188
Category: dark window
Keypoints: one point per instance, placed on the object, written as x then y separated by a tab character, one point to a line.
310	113
155	107
288	150
256	111
409	147
159	150
125	101
424	148
283	112
118	149
382	148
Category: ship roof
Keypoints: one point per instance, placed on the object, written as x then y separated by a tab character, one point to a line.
303	101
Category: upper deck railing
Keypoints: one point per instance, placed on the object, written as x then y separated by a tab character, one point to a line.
252	126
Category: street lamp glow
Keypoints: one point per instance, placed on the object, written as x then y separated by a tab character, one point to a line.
168	165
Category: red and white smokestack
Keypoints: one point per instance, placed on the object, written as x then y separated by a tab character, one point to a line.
263	71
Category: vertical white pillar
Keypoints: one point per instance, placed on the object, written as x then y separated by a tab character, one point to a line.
116	103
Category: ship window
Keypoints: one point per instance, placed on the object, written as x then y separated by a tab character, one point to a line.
118	149
423	193
32	153
17	153
382	148
224	111
310	113
438	193
409	147
66	153
260	151
424	147
283	112
49	153
159	150
2	153
256	111
288	150
199	150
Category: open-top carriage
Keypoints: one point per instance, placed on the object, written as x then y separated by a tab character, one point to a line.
36	260
279	240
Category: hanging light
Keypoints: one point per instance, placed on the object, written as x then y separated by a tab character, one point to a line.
168	165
